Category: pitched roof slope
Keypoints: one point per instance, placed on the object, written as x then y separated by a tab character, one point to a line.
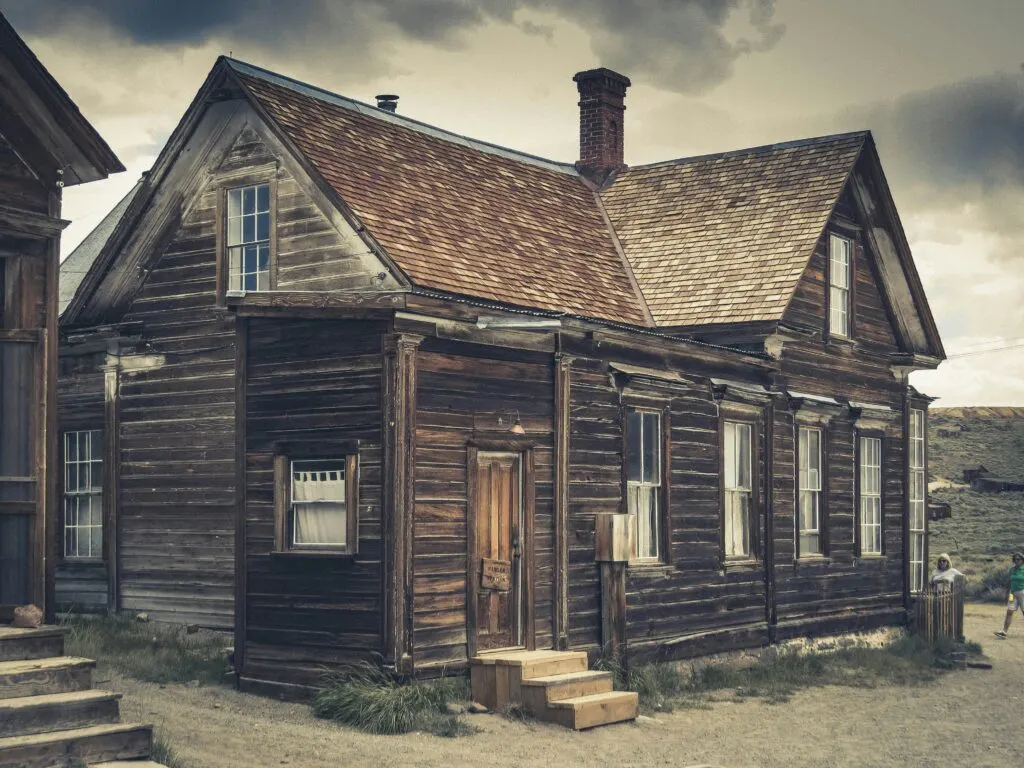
456	215
725	238
74	268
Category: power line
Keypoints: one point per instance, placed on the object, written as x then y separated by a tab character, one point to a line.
984	351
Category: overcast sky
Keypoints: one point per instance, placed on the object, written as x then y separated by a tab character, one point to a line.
940	83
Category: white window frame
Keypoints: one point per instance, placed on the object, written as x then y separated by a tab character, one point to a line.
320	497
646	494
238	242
738	485
810	490
917	525
83	540
869	457
840	274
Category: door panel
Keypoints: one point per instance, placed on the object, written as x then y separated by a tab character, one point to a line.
497	559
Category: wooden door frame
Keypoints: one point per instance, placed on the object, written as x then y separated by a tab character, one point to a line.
527	614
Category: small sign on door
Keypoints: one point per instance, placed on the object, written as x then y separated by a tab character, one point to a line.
495	574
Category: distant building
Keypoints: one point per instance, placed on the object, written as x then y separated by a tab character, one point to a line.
939	510
973	473
988	484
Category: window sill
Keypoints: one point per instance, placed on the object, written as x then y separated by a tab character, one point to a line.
76	561
740	565
650	570
300	554
812	560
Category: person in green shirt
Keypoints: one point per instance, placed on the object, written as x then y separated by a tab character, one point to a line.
1015	594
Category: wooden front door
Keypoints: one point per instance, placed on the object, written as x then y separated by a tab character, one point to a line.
496	549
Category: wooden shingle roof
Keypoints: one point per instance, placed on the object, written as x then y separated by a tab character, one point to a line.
455	215
725	238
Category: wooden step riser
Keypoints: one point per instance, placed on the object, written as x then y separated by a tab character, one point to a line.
551	667
593	715
23	649
48	718
537	698
43	681
68	753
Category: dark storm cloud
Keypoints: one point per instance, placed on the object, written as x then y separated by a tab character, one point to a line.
679	45
966	134
957	149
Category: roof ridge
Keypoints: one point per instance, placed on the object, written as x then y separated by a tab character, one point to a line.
346	102
808	142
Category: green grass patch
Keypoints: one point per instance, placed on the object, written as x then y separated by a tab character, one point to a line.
152	653
781	672
366	697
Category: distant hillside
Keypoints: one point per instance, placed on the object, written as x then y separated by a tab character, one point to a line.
994	437
985	527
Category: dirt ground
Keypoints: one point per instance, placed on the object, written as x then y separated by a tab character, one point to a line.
969	719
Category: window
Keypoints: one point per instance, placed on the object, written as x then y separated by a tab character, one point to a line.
870	489
917	500
643	480
83	494
248	238
809	518
739	489
316	504
840	253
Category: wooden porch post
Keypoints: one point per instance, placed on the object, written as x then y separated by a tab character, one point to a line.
399	407
613	543
112	481
563	375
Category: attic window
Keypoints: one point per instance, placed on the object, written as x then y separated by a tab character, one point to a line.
840	259
248	238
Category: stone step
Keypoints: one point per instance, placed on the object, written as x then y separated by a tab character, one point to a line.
17	644
538	692
64	749
38	677
594	710
57	712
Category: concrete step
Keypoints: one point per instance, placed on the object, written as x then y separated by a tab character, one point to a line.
57	712
64	749
38	677
496	677
594	710
17	644
538	692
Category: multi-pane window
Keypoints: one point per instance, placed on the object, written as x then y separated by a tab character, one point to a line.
83	494
643	480
739	489
917	500
809	517
870	488
319	503
840	257
248	238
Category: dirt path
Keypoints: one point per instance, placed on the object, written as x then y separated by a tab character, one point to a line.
968	720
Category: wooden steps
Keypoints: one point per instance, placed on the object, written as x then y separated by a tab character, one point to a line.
57	711
554	686
50	717
18	644
93	744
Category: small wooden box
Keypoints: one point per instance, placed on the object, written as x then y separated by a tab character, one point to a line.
613	538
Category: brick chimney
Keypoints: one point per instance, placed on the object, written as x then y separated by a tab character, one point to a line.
602	92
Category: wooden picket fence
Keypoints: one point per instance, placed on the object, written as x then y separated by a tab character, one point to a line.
939	613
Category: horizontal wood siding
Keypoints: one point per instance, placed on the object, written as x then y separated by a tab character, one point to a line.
670	607
177	426
310	380
461	391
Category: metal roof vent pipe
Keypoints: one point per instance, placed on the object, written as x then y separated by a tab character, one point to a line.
387	101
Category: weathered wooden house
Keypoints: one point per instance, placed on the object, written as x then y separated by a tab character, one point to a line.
366	386
973	473
45	145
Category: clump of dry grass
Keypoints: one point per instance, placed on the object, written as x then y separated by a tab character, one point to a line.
366	697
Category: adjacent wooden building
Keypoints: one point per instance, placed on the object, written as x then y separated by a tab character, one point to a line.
45	145
365	386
